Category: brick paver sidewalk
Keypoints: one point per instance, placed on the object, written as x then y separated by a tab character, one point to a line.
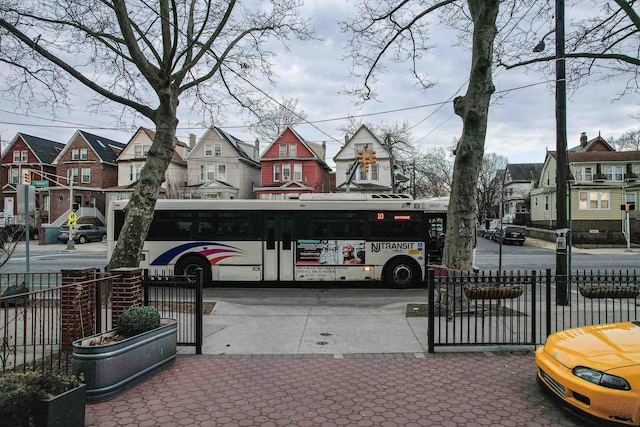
456	389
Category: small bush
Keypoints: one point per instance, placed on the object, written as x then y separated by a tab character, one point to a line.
20	392
136	320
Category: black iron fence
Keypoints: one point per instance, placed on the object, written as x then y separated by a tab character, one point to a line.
178	297
522	308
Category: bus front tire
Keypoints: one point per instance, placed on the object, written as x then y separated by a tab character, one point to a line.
189	265
401	273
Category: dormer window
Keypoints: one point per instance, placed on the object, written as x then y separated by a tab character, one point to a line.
614	173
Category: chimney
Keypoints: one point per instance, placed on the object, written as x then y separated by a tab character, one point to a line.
346	139
583	139
192	140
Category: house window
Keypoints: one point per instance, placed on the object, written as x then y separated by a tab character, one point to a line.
593	200
140	151
134	172
222	172
584	174
297	172
83	154
362	176
276	173
359	146
15	176
201	178
535	201
16	156
208	150
286	172
47	203
546	203
293	150
631	198
211	172
374	172
217	150
74	175
548	178
25	156
86	175
614	173
283	150
75	154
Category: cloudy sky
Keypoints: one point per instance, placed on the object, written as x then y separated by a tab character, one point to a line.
521	122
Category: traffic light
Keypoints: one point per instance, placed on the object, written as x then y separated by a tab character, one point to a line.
26	176
372	156
361	157
365	168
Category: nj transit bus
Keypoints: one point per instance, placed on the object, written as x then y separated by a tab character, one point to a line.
387	239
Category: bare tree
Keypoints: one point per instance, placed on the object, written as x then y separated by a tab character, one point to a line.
628	141
272	122
432	173
490	180
145	56
600	46
399	30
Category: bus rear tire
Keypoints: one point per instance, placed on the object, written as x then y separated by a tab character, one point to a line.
401	273
190	264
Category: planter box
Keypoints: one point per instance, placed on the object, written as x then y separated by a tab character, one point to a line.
111	369
609	291
493	292
63	410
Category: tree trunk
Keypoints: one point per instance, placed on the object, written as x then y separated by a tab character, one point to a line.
473	108
139	211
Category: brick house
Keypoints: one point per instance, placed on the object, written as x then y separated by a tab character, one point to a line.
602	180
132	158
90	161
291	166
27	153
221	166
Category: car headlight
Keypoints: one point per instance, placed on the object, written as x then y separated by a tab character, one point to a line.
601	378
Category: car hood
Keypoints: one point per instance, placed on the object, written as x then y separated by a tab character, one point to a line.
601	347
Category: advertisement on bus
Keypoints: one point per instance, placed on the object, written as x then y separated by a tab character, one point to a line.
330	252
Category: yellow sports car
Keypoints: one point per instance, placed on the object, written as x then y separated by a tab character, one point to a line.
595	369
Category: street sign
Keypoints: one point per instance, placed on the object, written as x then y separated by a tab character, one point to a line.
72	219
43	183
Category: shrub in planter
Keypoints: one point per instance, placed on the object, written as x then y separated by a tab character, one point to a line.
136	320
24	395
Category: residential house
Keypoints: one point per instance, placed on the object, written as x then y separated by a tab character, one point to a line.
602	181
291	166
132	158
34	156
221	166
353	176
519	180
89	162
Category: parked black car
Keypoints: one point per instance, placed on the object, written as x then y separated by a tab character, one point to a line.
512	234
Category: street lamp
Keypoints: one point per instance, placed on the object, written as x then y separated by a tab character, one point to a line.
562	297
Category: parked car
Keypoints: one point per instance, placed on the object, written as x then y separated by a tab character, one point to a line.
594	370
480	230
83	233
511	234
489	233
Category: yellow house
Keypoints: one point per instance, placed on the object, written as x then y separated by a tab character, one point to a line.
603	184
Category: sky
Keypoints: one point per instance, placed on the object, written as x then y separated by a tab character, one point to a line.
521	121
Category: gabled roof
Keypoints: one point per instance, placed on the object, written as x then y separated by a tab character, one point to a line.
106	149
175	157
235	143
44	149
363	128
596	144
600	156
317	150
524	172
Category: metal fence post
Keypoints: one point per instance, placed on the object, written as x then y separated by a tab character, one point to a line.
145	286
548	302
534	304
198	311
431	323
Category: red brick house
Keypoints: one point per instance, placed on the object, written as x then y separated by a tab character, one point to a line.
291	166
90	161
31	155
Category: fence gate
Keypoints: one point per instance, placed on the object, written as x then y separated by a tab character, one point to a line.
180	298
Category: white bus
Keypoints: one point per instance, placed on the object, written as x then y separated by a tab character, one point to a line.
322	237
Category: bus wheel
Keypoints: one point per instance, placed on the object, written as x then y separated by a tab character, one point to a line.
401	273
190	264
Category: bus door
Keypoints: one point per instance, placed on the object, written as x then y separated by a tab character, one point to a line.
278	249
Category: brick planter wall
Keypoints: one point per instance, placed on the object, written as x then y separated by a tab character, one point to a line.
127	291
77	305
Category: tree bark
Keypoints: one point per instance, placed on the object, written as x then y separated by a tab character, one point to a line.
473	108
139	211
